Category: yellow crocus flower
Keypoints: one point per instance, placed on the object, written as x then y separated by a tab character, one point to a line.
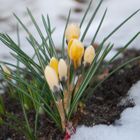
76	51
54	64
72	32
69	46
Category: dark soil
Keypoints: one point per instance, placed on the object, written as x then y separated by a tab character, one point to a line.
46	130
103	107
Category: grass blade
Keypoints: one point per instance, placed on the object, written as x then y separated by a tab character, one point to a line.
49	36
111	73
87	79
122	49
63	40
86	12
120	25
90	21
101	22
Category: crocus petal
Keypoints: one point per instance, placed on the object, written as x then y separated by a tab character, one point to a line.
54	64
62	70
69	46
89	55
72	32
52	78
76	52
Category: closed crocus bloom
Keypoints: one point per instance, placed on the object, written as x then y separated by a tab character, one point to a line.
6	69
72	32
54	64
76	52
89	55
62	70
52	79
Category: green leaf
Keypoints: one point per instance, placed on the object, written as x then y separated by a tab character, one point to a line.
86	12
91	19
63	40
2	108
101	22
123	48
49	36
91	72
120	25
112	72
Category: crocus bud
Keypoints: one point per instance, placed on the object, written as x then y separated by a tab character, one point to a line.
54	64
6	69
62	70
72	32
76	51
89	55
52	79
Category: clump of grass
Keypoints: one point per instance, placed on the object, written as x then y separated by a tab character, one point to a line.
55	83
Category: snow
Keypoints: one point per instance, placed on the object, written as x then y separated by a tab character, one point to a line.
118	10
126	128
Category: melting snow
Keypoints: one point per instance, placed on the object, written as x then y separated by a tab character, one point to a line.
118	10
126	128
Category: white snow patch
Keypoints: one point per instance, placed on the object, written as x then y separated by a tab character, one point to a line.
127	128
118	10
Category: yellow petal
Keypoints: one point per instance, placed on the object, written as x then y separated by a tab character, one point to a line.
54	64
72	32
76	52
89	55
52	78
69	46
77	63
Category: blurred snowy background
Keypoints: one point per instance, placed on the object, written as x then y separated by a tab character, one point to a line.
118	10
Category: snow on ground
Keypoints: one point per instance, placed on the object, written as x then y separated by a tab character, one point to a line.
126	128
118	10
